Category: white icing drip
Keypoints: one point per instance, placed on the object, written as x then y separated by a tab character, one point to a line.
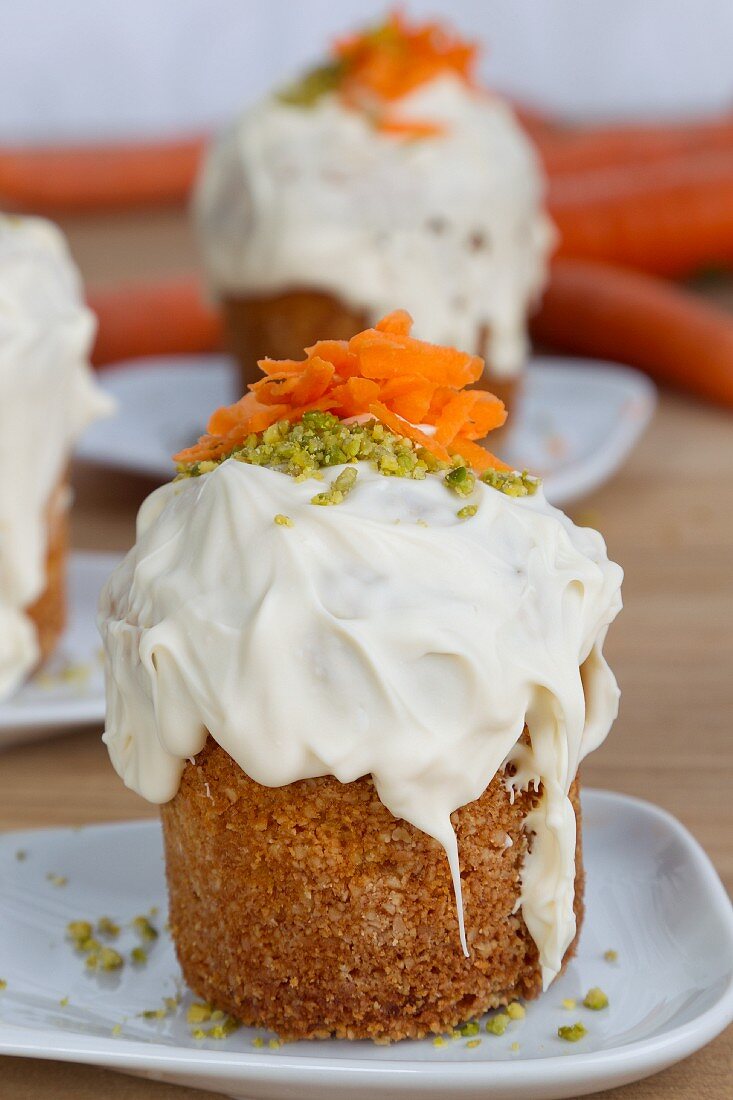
47	397
351	644
451	227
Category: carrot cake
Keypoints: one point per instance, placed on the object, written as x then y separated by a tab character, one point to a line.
358	660
47	397
385	175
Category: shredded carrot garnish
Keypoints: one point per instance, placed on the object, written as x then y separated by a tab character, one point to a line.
416	389
387	62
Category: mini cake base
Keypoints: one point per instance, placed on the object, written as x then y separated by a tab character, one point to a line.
310	910
280	326
48	613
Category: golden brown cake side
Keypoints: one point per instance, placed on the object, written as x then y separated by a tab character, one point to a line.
279	326
309	909
48	613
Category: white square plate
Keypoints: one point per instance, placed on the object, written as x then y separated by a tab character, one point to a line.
652	895
69	688
575	424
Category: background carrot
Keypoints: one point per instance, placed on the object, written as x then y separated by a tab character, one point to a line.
671	217
153	319
608	312
566	149
98	177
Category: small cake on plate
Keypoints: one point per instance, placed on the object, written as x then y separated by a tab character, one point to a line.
387	174
358	661
47	397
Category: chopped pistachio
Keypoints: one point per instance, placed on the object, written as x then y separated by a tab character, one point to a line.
283	521
467	511
596	999
198	1033
569	1003
610	956
339	490
139	956
79	931
317	82
107	927
21	854
515	1011
511	482
106	958
514	1048
144	929
469	1030
455	1034
461	480
198	1013
274	1044
497	1025
3	984
571	1033
438	1041
117	1030
153	1014
258	1042
56	880
473	1043
64	1002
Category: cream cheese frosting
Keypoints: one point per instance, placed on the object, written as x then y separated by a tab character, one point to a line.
382	636
451	226
47	397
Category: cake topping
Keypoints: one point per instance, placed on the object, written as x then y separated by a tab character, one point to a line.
374	68
383	374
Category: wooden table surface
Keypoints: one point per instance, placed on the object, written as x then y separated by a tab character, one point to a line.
667	518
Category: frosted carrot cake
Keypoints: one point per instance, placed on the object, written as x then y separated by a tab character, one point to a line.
358	660
47	397
385	175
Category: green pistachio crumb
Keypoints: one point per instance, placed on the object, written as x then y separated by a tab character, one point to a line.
511	482
569	1003
104	958
438	1041
514	1048
64	1002
596	999
317	82
498	1024
139	956
455	1034
469	1030
80	933
610	956
21	855
283	521
3	984
144	929
153	1014
473	1043
461	480
107	927
467	511
339	490
274	1044
198	1013
56	880
198	1033
258	1042
117	1030
515	1011
571	1033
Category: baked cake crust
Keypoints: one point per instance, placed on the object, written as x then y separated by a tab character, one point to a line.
310	910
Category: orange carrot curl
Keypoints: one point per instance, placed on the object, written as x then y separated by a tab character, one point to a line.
382	373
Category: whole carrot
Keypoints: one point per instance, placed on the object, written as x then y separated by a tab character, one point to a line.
671	217
153	319
98	177
608	312
589	148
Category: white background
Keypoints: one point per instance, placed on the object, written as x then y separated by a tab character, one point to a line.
96	68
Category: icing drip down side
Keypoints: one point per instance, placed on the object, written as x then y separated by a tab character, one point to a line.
384	636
